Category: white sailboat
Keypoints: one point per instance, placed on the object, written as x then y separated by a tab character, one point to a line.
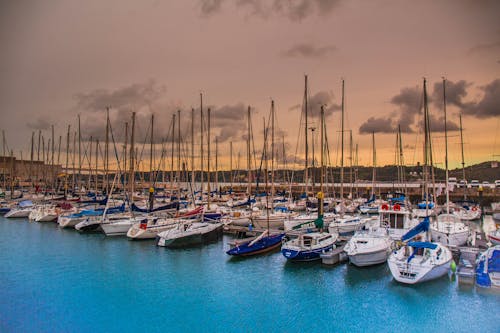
448	229
420	261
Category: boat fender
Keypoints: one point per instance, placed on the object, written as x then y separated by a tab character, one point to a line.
453	266
397	207
385	207
474	208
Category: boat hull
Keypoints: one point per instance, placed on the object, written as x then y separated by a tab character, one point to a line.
192	239
264	245
369	259
450	239
411	274
305	255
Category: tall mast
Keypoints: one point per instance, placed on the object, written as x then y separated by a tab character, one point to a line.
374	163
342	146
73	161
216	164
426	149
90	165
96	165
172	146
446	148
401	159
231	165
106	152
79	153
31	155
208	158
272	149
201	143
350	164
132	160
67	163
463	159
322	149
306	173
151	157
249	177
192	147
179	174
125	183
5	158
53	175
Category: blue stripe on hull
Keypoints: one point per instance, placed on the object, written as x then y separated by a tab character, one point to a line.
305	255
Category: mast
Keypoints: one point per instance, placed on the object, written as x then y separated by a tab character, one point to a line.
125	183
217	164
463	159
5	159
342	146
192	147
132	160
52	157
172	146
272	150
179	174
90	165
96	165
201	143
79	154
67	163
249	177
401	159
350	164
322	150
31	156
106	152
446	148
73	179
208	158
426	149
266	166
231	165
306	173
151	150
374	163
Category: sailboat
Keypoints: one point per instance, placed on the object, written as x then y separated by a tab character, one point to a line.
310	246
419	261
448	229
488	268
266	241
190	233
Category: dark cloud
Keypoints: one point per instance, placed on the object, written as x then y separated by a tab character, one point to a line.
307	50
485	47
489	105
377	125
209	7
133	97
455	93
315	101
437	124
294	10
229	121
41	123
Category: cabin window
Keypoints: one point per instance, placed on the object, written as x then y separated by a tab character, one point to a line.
307	241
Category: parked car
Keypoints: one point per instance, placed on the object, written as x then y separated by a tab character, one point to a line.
452	181
486	184
497	183
462	183
474	183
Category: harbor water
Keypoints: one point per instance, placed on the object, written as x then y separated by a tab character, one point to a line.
56	280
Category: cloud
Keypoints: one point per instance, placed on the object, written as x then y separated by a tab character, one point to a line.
437	124
409	102
489	105
315	101
228	121
294	10
377	125
455	93
41	123
307	50
209	7
134	96
485	47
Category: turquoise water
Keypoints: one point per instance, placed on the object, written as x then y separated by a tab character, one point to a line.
54	280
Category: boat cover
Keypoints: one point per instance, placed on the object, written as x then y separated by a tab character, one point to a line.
421	227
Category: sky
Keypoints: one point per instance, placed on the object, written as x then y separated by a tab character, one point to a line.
61	59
